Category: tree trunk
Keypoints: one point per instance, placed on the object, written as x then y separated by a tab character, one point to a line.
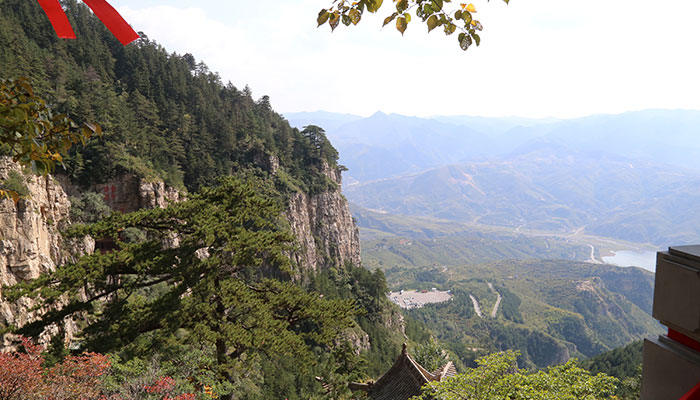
222	351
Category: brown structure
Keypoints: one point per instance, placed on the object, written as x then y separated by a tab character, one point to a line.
403	380
671	362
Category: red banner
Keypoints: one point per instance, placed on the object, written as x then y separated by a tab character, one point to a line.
58	18
694	394
113	21
105	12
683	339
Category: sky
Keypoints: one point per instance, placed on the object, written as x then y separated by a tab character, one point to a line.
538	58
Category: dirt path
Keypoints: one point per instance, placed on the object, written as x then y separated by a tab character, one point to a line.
476	306
593	260
498	301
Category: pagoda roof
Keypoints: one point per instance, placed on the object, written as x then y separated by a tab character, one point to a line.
404	379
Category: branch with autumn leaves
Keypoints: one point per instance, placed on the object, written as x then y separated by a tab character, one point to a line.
434	13
32	134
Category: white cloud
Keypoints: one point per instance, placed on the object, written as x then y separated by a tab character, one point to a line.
537	58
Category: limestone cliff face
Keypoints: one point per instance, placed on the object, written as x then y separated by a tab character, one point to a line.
322	223
129	193
326	233
31	243
30	240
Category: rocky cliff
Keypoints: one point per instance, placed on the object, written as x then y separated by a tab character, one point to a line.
30	239
31	243
325	231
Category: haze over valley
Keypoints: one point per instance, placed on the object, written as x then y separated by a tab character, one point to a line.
633	177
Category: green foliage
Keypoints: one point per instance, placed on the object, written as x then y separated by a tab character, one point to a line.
210	288
36	137
624	363
15	183
434	13
416	330
369	290
88	207
510	305
498	377
621	362
430	355
130	379
31	133
164	115
321	148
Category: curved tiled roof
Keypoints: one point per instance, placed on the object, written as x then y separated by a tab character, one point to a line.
405	379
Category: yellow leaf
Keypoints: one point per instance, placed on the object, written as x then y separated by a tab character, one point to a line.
473	22
15	196
471	8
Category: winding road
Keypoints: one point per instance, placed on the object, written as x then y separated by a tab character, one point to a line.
476	306
498	301
593	260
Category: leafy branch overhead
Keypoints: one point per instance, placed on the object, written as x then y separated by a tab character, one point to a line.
434	13
31	133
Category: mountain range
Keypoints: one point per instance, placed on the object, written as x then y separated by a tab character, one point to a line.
630	176
386	145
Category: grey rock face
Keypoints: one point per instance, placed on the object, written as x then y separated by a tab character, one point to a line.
31	243
326	233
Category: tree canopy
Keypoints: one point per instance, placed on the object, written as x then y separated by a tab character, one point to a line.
497	376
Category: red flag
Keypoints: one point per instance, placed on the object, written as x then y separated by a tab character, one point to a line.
113	21
58	18
694	394
105	12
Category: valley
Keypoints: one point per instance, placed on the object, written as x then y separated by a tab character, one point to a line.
470	241
167	234
520	221
536	291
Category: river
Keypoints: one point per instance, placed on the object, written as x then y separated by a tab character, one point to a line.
627	258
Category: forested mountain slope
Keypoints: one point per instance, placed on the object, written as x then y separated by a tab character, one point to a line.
549	310
172	126
163	114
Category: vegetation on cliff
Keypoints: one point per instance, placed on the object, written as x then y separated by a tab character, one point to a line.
200	299
206	282
163	115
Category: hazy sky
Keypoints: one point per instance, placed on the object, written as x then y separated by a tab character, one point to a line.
537	58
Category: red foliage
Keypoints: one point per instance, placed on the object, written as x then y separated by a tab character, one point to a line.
76	378
23	377
164	386
20	373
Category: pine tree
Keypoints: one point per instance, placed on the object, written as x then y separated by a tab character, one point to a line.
203	276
